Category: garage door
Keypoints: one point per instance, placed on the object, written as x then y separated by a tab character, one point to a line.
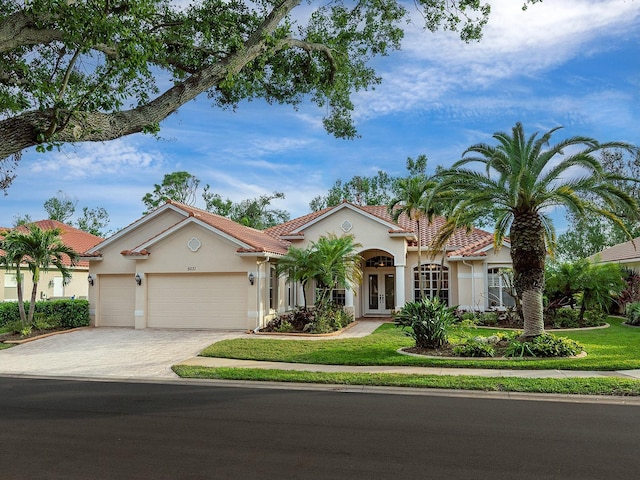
117	301
206	301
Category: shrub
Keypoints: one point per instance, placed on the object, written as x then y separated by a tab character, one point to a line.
429	322
68	313
566	318
325	318
545	345
474	348
633	313
488	319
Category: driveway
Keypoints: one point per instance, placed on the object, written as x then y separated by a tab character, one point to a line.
109	352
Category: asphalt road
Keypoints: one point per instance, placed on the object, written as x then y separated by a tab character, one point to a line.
57	429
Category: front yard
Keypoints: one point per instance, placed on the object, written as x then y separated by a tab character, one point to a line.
613	348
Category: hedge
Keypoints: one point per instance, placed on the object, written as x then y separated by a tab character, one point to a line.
68	313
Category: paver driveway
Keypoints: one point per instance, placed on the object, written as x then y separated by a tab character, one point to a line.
109	352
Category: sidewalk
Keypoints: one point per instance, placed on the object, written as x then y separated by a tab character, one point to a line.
365	327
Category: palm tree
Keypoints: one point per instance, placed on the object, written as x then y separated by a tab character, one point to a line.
522	179
338	264
412	200
332	262
39	250
12	260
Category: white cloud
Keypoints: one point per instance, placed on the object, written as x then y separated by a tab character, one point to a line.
117	157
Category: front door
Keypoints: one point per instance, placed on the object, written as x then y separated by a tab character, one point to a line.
380	295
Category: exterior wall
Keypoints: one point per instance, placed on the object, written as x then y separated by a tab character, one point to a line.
77	286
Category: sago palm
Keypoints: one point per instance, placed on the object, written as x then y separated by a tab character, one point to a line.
521	181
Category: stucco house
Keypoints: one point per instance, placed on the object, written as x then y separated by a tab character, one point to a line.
182	267
627	254
51	284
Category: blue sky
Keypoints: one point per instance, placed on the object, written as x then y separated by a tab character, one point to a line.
574	63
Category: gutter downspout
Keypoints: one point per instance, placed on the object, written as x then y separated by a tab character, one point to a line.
473	282
258	299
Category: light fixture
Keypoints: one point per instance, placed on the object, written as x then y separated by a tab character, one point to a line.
138	279
251	278
90	280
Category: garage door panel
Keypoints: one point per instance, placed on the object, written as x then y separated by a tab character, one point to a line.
201	301
117	301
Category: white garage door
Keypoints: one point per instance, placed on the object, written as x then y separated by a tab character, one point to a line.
117	301
204	301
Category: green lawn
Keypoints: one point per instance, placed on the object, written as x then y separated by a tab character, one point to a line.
614	348
582	386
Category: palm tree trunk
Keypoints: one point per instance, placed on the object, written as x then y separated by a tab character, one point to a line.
23	315
528	253
32	305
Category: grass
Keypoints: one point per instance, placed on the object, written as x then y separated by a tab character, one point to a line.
614	348
582	386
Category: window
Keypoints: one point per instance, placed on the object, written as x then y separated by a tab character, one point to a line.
273	288
435	282
11	286
379	261
338	296
498	289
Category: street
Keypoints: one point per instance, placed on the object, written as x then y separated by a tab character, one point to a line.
102	430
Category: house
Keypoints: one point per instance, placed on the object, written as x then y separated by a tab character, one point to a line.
627	254
182	267
51	284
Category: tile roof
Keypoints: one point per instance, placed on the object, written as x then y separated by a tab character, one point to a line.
627	251
462	243
257	240
79	240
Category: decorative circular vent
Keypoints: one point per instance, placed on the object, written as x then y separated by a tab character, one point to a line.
194	244
346	226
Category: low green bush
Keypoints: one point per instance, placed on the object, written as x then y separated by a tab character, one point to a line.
488	319
633	313
473	348
545	345
65	313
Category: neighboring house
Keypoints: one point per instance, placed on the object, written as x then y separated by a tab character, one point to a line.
627	254
51	284
182	267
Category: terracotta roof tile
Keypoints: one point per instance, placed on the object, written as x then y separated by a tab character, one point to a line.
79	240
258	240
467	243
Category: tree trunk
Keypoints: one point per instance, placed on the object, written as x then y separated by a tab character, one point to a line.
23	315
528	253
32	305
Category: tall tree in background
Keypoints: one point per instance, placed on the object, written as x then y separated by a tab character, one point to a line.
61	207
73	71
179	186
253	212
588	235
94	221
520	179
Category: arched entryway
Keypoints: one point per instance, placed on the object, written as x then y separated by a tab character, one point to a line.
379	285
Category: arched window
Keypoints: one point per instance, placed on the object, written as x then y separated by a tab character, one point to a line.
379	261
498	289
435	282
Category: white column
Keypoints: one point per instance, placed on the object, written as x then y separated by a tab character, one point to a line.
400	292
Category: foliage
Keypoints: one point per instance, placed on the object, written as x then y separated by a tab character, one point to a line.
588	235
546	345
178	186
253	212
631	293
96	71
474	348
61	207
518	180
39	250
428	321
321	319
64	313
633	313
374	190
332	262
94	221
